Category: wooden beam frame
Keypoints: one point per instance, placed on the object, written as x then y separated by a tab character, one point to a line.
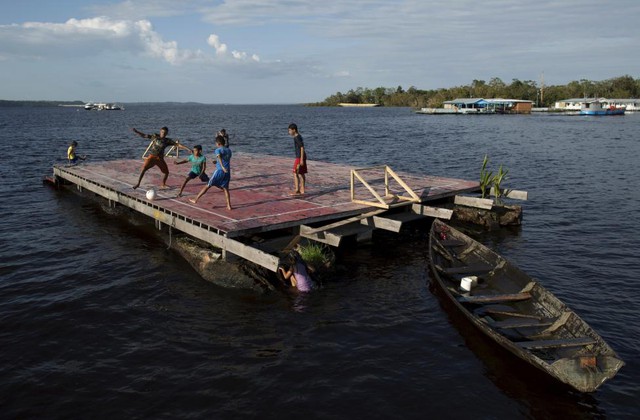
381	203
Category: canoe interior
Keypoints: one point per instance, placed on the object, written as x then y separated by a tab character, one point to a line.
518	313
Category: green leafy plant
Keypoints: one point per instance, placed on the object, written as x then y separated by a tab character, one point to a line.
315	255
497	181
486	177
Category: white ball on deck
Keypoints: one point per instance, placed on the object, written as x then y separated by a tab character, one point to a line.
151	194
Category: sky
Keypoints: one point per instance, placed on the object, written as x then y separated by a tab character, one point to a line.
299	51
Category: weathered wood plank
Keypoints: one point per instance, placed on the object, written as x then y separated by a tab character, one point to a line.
436	212
391	222
468	269
512	297
519	323
451	242
514	194
330	226
481	203
566	342
322	237
491	311
334	236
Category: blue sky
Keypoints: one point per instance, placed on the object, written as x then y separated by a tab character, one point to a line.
293	51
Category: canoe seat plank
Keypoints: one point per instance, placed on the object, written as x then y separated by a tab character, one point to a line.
492	311
520	323
547	344
513	297
468	269
451	242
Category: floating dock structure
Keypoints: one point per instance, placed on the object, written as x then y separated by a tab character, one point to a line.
340	201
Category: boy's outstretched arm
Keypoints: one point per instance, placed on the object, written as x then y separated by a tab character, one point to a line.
140	133
182	146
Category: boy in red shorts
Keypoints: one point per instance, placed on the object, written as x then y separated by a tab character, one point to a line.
156	153
300	164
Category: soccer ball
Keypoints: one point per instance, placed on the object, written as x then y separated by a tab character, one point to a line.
151	194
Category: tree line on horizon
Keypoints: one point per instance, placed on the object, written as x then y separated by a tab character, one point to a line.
622	87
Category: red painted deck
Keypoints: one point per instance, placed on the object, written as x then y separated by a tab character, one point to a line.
260	187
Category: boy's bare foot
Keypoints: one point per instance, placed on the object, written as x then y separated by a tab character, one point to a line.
229	208
164	187
295	193
179	195
136	186
193	201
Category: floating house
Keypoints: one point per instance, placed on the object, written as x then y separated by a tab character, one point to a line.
576	104
595	107
481	106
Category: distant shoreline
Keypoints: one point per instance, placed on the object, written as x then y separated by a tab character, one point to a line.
25	103
6	103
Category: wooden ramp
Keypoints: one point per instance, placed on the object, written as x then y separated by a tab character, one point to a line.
260	187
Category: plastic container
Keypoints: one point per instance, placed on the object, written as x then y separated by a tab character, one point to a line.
468	283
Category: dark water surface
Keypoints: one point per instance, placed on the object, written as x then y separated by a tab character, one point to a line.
99	320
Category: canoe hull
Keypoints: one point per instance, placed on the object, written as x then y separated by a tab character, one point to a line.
520	315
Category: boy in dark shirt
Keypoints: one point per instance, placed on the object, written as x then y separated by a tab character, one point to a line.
156	153
300	164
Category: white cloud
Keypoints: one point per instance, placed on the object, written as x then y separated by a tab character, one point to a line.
214	41
81	36
221	50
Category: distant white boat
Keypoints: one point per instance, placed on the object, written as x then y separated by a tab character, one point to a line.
90	106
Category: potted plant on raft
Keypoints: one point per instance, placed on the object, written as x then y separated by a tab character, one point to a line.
485	211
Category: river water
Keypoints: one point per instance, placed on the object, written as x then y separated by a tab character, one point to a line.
99	320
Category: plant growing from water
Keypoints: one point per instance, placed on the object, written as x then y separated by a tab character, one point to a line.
488	180
486	177
497	181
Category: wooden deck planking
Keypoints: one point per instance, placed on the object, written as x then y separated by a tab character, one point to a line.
259	188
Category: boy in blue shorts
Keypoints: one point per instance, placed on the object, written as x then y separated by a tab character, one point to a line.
222	175
198	167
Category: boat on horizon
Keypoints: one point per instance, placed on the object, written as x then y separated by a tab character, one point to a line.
517	312
103	106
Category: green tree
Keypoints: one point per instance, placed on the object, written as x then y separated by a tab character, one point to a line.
618	87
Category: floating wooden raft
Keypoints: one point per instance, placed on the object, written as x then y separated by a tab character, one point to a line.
260	187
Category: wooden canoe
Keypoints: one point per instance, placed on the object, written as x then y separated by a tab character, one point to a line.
517	312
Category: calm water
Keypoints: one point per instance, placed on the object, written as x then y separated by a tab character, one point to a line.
99	320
